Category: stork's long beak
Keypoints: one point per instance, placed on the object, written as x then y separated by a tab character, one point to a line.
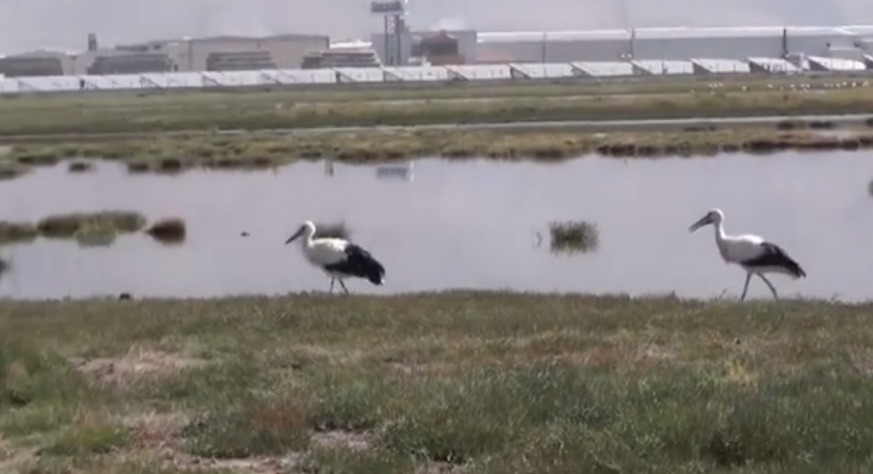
702	222
296	234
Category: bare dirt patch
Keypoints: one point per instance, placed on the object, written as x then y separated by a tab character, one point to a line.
157	430
115	371
343	439
12	459
160	435
441	468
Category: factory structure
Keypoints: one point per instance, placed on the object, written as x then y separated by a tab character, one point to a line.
219	53
398	45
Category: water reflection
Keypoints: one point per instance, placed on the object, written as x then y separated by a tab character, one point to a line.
468	224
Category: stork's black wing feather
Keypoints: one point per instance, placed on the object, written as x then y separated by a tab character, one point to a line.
775	256
359	263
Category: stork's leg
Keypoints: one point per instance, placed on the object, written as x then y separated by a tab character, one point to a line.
770	285
332	279
344	286
746	286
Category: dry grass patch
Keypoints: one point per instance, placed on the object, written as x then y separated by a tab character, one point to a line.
115	371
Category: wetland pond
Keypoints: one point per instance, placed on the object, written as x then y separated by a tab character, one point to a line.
457	224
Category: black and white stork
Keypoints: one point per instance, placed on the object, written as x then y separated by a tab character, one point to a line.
339	258
751	252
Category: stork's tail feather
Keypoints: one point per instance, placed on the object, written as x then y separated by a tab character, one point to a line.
375	272
796	269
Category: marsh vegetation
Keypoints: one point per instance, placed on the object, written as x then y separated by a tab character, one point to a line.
574	236
168	231
264	150
88	228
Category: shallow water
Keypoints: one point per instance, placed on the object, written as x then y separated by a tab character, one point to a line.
469	224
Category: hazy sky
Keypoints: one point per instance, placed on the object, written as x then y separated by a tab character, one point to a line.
29	24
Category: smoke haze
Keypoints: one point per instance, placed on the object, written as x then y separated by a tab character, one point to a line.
64	24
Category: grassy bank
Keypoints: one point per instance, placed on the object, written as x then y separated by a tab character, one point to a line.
269	110
390	91
470	382
259	151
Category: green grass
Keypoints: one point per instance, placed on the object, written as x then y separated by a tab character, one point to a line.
82	114
487	382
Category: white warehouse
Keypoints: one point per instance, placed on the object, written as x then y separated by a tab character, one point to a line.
849	42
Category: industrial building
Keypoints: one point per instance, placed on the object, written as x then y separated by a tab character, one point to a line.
130	63
235	52
31	66
739	43
341	57
418	47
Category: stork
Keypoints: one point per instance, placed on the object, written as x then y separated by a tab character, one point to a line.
339	258
751	252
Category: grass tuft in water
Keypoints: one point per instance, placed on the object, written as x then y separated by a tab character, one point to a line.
84	224
46	157
17	232
337	230
11	172
574	236
80	167
171	166
168	231
137	167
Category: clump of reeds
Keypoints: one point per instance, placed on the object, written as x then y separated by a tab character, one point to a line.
39	158
137	167
79	225
16	232
574	236
80	167
11	172
337	230
171	165
168	231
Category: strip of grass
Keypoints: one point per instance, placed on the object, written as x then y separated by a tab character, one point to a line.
259	151
249	112
491	382
374	92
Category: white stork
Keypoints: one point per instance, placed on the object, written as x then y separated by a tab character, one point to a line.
753	253
339	258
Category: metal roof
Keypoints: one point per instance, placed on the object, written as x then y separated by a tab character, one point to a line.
467	72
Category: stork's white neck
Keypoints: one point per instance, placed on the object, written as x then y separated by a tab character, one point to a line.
308	234
719	231
720	239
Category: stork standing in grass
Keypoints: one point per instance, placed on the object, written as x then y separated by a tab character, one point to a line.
339	258
754	254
